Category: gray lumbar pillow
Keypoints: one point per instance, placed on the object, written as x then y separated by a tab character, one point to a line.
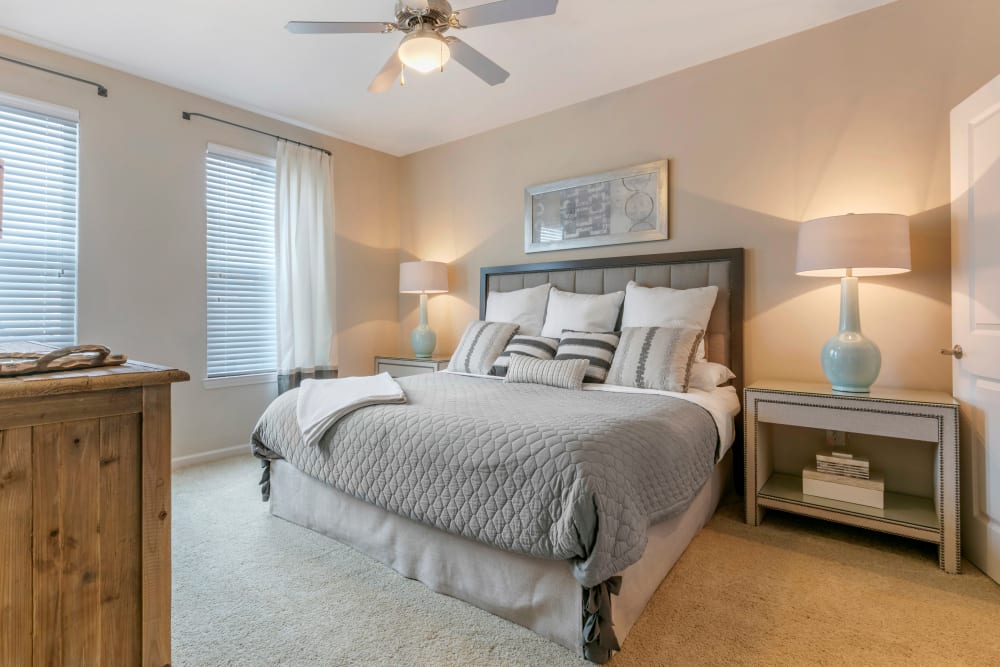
563	374
655	358
480	346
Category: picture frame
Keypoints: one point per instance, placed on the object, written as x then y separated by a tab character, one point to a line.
629	205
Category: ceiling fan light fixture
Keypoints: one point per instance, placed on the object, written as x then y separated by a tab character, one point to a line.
424	50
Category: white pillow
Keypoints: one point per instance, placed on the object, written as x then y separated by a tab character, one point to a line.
581	312
525	307
668	307
707	375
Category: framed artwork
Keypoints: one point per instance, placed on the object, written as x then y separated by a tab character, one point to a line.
622	206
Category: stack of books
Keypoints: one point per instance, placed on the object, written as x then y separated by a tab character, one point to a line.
845	477
844	464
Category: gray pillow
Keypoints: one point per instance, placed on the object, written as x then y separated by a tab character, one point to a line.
480	346
655	358
563	374
538	347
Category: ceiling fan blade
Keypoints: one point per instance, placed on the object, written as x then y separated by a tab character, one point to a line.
505	10
476	62
387	75
328	27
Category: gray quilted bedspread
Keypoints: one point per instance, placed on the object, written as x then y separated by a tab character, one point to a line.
554	473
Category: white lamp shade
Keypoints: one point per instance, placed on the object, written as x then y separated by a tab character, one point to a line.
423	277
868	244
424	50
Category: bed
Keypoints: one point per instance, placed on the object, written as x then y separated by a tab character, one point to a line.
561	511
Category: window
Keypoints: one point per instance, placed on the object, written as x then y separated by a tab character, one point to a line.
239	201
38	144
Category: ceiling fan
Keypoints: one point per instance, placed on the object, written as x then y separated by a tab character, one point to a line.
425	47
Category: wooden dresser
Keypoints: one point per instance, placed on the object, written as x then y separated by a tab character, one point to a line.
85	517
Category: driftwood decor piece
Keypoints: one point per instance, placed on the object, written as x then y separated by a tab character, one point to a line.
64	359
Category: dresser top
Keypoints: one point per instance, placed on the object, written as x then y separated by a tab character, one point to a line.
877	393
129	374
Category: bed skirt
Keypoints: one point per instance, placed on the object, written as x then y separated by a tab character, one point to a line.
539	594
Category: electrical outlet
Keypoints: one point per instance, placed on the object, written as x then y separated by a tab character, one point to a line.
836	439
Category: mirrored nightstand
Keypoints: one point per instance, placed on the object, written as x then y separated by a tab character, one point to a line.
910	437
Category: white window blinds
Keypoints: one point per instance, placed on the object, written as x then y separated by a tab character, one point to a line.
239	199
38	145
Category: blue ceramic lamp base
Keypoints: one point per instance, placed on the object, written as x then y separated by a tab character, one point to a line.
851	362
423	339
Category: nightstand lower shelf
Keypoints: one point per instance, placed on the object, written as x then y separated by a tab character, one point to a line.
909	516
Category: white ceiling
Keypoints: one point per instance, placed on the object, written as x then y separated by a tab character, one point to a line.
237	51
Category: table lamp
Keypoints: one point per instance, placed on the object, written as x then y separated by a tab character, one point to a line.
423	278
848	247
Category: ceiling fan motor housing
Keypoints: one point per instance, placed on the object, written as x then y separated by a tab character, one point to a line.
437	16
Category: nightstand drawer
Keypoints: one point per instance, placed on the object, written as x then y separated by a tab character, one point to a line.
400	370
399	367
837	416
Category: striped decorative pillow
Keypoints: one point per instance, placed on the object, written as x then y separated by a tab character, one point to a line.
566	374
480	346
597	348
537	347
655	358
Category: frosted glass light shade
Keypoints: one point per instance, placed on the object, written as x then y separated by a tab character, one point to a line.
423	277
867	244
424	50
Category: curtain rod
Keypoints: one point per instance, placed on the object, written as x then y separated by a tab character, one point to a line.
188	115
101	89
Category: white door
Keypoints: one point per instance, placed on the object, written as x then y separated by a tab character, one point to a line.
975	294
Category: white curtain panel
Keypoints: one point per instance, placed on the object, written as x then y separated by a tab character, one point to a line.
305	290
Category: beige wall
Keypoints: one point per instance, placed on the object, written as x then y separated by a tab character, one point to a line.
852	116
142	240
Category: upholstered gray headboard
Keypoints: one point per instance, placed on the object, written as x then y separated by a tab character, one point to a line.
723	268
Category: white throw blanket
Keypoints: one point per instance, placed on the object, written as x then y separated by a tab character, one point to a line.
321	403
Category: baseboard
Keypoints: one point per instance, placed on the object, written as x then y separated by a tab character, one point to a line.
205	457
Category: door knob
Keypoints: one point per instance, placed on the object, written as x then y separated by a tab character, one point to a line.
953	352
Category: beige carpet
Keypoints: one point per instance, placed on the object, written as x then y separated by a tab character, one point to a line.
250	590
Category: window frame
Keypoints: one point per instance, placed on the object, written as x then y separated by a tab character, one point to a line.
225	381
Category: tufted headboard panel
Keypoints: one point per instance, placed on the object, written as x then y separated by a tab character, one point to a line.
723	268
